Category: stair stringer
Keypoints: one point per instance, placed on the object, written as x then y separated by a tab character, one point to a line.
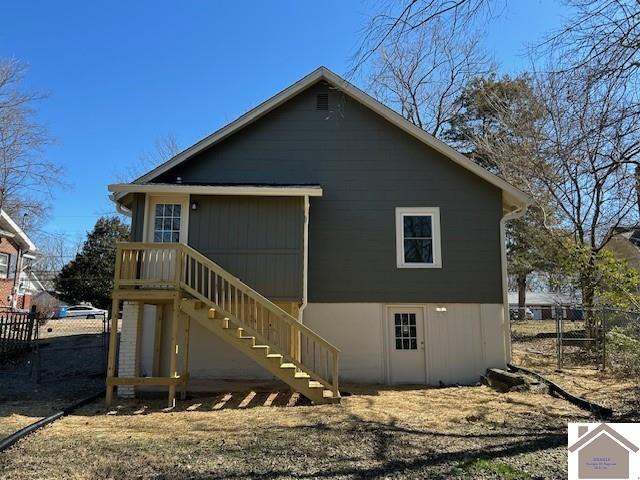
264	355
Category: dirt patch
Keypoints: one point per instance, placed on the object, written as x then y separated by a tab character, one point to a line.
408	433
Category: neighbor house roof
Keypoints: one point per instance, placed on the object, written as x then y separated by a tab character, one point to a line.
631	233
9	228
543	298
601	430
512	197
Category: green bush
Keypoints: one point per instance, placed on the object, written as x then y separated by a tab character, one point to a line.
623	348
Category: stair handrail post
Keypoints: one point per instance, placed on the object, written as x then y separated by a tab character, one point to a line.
118	267
334	375
179	262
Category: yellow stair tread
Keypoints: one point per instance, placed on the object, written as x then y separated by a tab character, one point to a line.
260	346
274	355
314	384
302	375
287	365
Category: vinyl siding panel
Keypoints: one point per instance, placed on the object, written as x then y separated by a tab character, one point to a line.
366	167
257	239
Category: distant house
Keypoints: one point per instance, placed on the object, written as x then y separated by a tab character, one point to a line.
625	244
603	453
547	305
320	235
17	251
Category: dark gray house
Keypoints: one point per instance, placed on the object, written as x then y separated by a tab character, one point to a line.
318	237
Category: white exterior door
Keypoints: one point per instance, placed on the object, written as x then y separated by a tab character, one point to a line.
407	360
166	221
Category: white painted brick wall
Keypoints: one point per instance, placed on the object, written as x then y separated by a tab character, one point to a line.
127	358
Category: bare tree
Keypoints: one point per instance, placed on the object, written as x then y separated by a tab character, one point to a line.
603	38
26	176
601	35
422	75
164	148
577	161
395	21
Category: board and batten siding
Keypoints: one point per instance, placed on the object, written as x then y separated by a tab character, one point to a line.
367	167
257	239
137	217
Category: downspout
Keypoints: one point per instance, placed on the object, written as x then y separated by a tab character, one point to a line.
119	208
510	215
305	259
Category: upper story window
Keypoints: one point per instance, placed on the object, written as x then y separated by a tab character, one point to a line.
167	222
4	265
418	237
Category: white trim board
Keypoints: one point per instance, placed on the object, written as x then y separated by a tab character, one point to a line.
121	189
19	235
511	195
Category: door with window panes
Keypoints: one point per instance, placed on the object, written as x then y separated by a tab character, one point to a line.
166	224
407	360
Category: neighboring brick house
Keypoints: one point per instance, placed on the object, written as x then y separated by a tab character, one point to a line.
16	253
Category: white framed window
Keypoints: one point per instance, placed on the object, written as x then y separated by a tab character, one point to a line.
4	265
418	237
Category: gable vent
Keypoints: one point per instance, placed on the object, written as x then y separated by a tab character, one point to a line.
322	101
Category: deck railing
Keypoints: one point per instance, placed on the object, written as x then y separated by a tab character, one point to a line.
176	265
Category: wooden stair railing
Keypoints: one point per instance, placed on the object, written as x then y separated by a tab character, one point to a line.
178	266
260	317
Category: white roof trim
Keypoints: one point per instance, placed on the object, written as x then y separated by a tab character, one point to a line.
512	195
122	189
20	236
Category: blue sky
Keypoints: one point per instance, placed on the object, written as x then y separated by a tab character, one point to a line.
122	73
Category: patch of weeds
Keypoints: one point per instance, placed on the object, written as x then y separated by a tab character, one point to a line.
494	467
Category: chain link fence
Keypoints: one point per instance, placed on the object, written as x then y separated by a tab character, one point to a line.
64	357
576	336
71	347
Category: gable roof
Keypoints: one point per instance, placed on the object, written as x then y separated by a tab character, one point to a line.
599	430
511	195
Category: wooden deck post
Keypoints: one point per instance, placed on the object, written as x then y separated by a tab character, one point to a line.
185	357
113	336
173	373
157	341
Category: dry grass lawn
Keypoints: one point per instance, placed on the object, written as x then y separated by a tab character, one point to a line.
16	415
467	432
580	374
529	328
608	388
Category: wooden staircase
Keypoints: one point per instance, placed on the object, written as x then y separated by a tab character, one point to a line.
265	355
259	328
235	312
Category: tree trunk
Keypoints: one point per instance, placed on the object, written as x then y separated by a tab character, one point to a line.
522	296
588	288
638	187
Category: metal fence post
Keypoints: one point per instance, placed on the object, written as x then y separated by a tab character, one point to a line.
604	339
33	317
